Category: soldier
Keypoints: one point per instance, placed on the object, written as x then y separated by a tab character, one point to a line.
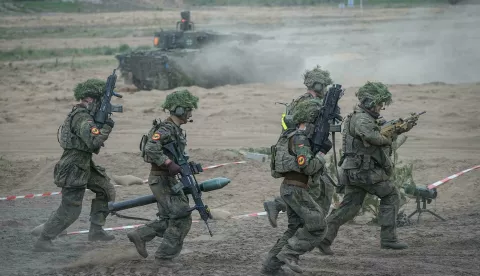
367	168
76	171
316	81
293	160
173	209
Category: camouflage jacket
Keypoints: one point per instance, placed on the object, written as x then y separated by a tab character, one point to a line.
293	153
80	138
363	145
163	133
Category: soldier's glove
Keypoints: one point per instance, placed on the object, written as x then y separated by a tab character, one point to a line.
109	122
173	169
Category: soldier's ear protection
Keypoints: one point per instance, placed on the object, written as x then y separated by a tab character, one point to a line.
179	111
318	87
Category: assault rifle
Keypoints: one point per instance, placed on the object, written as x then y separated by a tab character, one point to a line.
106	108
400	125
189	182
328	114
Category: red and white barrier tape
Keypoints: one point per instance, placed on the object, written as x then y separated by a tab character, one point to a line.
438	183
58	193
30	196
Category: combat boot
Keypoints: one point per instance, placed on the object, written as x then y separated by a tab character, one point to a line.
272	212
393	245
44	244
291	262
324	247
97	233
139	243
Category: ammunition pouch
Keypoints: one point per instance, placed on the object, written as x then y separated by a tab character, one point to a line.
273	150
282	161
363	162
143	142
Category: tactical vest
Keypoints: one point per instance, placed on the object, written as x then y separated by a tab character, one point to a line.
179	140
356	153
68	139
283	160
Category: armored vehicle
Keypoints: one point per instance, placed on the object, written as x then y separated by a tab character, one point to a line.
186	57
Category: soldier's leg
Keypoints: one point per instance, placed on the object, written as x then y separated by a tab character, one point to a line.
273	208
324	195
174	207
154	228
348	209
66	214
313	230
272	264
387	217
99	183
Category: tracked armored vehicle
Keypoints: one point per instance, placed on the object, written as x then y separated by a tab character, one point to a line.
185	57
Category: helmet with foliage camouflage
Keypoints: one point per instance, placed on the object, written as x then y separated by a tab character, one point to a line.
181	98
316	75
306	112
374	93
90	88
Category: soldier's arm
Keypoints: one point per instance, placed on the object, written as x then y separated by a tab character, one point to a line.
309	163
369	132
154	146
84	126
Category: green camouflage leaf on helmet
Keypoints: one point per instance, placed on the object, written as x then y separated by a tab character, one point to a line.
306	112
181	98
316	75
90	88
377	92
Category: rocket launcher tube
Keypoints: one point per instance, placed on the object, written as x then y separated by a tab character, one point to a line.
205	186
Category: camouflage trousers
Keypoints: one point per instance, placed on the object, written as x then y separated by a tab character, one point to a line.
321	190
306	226
71	205
352	202
174	219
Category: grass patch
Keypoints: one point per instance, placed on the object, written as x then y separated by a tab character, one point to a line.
29	54
74	32
77	64
307	2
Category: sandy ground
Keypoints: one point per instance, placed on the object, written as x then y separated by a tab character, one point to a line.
36	99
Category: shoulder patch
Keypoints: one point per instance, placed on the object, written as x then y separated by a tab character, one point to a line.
156	136
301	159
95	131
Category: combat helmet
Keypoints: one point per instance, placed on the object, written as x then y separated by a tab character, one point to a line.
90	88
182	98
306	112
374	93
316	75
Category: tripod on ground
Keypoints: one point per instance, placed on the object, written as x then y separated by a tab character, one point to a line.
424	208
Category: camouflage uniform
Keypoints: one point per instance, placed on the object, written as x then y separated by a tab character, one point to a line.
76	171
293	160
320	188
174	216
367	168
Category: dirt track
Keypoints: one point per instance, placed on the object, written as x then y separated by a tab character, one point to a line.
35	100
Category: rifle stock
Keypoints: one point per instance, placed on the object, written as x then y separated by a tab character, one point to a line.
328	115
106	108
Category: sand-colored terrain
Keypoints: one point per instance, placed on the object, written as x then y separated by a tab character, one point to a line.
416	51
